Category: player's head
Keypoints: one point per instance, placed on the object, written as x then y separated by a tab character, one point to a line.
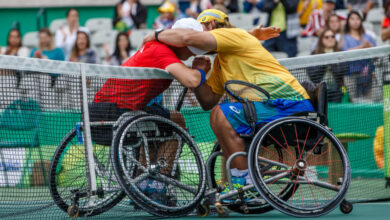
184	53
213	18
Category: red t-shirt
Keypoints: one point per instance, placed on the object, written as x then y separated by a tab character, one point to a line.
134	94
386	23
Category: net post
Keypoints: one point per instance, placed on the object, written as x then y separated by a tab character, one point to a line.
386	128
90	162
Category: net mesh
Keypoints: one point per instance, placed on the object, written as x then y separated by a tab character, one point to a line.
41	109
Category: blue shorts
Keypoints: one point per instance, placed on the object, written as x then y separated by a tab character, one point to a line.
266	112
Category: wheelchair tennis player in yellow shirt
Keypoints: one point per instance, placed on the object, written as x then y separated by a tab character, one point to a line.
240	56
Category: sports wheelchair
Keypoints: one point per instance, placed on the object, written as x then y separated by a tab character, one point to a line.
296	164
127	151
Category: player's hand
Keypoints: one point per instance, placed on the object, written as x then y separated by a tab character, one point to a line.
147	38
265	33
202	63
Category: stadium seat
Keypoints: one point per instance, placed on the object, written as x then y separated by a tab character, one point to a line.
19	127
137	36
279	55
29	86
263	19
342	12
368	26
99	24
8	88
56	24
240	20
305	44
304	53
103	37
375	15
30	40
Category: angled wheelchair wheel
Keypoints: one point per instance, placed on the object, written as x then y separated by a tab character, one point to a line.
159	166
68	179
257	208
314	163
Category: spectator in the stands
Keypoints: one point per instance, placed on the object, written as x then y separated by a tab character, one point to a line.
253	7
194	9
220	5
386	22
305	9
14	45
355	36
46	48
121	53
167	16
66	36
283	14
317	20
129	14
81	51
363	6
340	4
14	48
230	5
335	24
331	74
360	73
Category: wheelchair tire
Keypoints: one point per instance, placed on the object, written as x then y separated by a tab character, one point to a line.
321	168
68	173
132	162
253	209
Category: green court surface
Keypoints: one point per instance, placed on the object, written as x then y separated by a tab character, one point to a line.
364	211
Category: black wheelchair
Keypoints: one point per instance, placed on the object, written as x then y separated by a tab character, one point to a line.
127	150
296	164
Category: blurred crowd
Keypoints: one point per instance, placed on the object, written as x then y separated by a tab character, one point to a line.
319	20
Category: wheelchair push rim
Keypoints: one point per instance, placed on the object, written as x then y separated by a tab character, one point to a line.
72	177
132	173
320	180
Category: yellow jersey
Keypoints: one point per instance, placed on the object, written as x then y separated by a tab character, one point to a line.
304	19
242	57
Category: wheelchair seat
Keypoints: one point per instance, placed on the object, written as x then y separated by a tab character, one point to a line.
318	96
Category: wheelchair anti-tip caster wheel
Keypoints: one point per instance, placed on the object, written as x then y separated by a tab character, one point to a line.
73	211
203	210
346	207
222	211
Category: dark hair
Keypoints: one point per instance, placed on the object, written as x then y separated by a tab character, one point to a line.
320	48
386	6
348	28
117	52
46	31
69	10
75	49
9	33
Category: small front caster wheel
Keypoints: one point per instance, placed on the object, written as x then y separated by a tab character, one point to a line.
346	207
73	211
203	210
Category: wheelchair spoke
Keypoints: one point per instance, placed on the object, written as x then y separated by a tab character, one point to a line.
304	144
292	157
275	178
174	182
263	159
296	135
